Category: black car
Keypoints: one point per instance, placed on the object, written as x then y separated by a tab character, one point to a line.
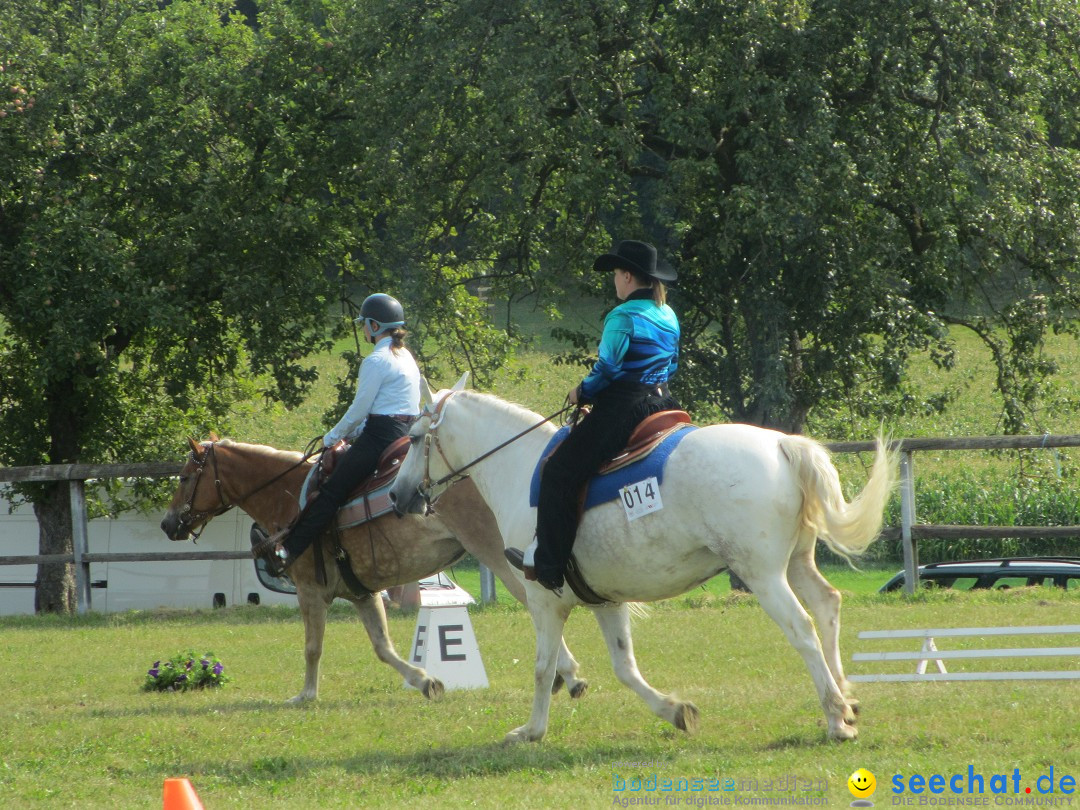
1006	572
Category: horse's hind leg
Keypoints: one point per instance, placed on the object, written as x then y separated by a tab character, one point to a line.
373	615
823	600
780	603
614	621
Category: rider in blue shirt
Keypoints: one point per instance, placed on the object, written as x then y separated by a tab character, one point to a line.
638	354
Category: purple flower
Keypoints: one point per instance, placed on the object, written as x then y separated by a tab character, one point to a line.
153	672
181	678
205	663
219	668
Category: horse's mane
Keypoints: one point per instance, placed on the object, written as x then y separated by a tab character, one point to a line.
511	408
285	456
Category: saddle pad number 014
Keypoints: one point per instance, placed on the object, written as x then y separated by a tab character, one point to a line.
641	498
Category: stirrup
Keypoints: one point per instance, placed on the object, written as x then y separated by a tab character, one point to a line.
273	553
516	557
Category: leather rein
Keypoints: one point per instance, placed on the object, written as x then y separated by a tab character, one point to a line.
190	518
427	486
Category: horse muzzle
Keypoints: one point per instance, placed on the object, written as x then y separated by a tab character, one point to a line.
415	505
174	527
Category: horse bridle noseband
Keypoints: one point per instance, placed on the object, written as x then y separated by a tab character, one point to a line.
425	488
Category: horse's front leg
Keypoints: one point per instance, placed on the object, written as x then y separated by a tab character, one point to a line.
373	615
614	621
549	614
313	607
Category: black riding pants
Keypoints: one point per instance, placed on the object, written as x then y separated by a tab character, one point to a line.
357	464
600	436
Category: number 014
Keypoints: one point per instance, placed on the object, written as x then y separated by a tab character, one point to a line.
641	498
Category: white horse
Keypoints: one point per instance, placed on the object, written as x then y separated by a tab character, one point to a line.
733	496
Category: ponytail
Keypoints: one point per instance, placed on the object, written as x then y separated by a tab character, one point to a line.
397	338
659	289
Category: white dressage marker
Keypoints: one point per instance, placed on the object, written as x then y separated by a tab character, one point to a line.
445	646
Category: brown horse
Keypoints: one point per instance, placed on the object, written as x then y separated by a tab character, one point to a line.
264	483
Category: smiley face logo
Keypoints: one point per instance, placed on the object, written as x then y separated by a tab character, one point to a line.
862	784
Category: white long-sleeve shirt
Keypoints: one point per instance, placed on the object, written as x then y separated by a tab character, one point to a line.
388	383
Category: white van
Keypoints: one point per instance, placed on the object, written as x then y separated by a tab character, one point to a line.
120	586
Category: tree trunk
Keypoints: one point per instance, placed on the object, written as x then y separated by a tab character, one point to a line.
55	592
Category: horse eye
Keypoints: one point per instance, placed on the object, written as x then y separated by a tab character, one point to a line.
183	479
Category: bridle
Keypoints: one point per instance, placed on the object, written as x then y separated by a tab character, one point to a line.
426	487
190	518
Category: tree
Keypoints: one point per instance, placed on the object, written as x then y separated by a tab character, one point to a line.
838	183
161	246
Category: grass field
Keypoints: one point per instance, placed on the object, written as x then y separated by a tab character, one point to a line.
78	732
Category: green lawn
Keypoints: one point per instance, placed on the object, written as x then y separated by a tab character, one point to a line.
78	732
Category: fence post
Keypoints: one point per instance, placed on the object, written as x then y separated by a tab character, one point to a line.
487	584
79	545
907	520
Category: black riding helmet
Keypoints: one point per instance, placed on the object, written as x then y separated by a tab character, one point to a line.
383	312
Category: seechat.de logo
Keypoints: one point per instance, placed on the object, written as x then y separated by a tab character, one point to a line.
862	785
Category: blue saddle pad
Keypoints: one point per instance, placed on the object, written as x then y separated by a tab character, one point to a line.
604	488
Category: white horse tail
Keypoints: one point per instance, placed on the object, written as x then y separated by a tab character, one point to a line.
846	528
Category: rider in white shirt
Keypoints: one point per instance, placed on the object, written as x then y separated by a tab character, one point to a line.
387	401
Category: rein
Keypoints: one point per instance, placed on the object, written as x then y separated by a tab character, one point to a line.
187	517
428	484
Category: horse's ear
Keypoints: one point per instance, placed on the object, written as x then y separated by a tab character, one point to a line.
460	384
196	448
426	395
214	437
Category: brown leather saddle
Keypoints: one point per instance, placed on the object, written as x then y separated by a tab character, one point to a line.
646	436
385	470
359	508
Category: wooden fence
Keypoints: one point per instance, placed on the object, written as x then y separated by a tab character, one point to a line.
909	531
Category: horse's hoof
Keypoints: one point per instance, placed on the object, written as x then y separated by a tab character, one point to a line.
557	684
579	689
521	734
433	688
843	733
686	718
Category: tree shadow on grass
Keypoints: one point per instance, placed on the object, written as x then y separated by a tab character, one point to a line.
417	763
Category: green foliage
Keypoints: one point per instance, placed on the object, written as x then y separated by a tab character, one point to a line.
185	671
836	188
157	248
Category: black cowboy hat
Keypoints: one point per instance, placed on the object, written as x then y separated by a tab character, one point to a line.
638	257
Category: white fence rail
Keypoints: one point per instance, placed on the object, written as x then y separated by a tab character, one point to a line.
931	652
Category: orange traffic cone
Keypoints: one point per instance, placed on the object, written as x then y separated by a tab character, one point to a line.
180	795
